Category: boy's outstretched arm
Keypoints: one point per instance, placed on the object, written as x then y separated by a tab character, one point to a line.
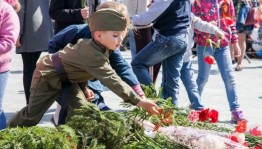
149	106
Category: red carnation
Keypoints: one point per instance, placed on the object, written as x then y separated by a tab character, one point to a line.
241	126
214	116
204	115
209	59
234	138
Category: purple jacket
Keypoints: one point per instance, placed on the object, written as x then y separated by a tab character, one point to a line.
9	31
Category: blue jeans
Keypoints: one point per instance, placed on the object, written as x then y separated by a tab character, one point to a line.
224	63
187	77
3	81
166	49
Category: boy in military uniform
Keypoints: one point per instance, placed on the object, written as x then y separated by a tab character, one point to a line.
88	59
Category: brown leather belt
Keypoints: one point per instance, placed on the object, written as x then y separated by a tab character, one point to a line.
59	68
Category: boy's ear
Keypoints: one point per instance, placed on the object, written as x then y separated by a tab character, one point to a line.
97	35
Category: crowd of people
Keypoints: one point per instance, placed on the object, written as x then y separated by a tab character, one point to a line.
84	51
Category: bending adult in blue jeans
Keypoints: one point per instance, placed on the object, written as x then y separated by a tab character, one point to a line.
70	35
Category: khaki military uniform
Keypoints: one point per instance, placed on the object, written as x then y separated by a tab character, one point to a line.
84	61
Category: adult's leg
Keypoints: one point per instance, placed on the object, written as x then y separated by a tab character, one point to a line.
187	77
240	21
43	91
132	43
3	81
29	64
203	67
62	101
143	36
242	45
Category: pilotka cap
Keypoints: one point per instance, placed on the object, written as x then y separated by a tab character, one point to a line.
107	20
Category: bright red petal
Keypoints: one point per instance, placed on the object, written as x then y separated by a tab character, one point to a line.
234	138
213	116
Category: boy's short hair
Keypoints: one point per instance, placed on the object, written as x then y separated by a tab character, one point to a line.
107	19
120	7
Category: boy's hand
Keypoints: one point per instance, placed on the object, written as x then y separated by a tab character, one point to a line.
149	106
89	94
220	34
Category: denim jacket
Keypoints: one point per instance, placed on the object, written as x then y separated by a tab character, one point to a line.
74	32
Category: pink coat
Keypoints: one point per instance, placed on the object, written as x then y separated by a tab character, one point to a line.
9	31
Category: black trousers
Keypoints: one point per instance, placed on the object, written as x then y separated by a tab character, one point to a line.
29	64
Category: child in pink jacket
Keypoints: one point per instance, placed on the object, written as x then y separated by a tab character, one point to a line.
222	12
9	31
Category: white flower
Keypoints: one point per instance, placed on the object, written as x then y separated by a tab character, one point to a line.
240	137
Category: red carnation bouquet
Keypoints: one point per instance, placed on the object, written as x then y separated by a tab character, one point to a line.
204	115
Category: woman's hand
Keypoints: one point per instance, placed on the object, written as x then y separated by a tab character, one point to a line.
85	12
